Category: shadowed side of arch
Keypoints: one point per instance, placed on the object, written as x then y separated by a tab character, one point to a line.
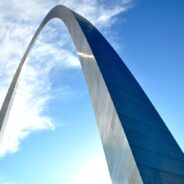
138	146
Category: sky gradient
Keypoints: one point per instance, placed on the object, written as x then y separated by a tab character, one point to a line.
52	135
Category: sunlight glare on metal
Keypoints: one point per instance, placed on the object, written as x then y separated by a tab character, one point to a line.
90	56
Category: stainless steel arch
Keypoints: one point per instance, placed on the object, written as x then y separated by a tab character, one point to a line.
127	121
93	77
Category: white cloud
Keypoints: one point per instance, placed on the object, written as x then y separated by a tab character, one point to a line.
18	21
6	181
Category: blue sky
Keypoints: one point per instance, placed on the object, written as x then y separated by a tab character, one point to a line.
52	135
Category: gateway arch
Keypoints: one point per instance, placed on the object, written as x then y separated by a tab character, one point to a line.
138	146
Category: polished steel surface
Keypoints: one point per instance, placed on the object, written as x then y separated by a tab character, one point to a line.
138	146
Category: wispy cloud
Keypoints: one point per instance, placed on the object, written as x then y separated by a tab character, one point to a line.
18	21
